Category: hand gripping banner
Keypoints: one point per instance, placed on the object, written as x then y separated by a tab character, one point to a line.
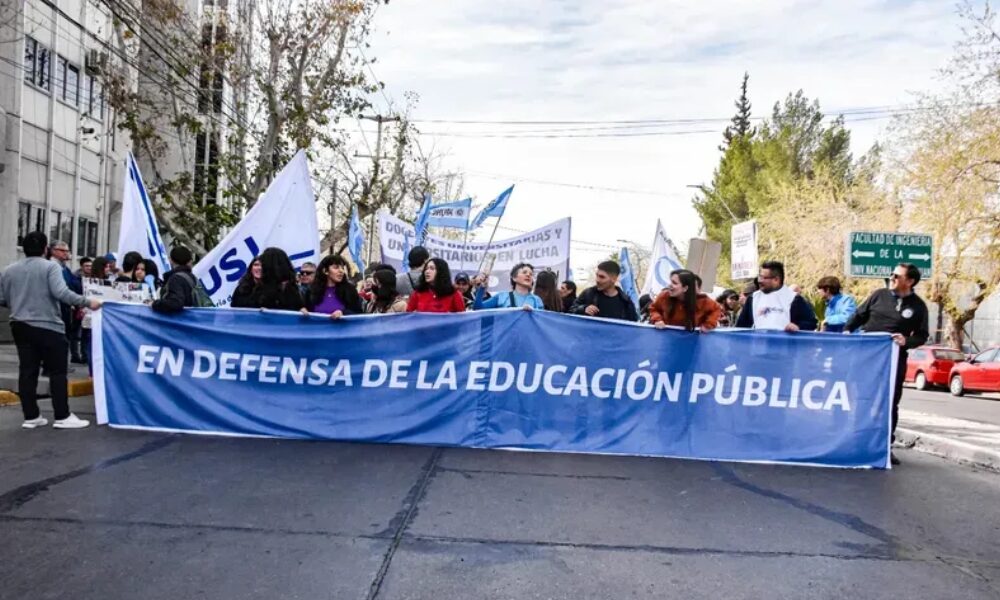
499	379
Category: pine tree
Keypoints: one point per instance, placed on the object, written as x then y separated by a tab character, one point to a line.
741	120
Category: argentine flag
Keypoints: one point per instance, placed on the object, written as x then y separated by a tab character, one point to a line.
494	208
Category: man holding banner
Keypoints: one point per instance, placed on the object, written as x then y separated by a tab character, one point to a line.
606	299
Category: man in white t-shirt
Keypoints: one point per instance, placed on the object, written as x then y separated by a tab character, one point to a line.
776	307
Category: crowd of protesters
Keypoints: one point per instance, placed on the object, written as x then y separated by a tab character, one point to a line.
47	302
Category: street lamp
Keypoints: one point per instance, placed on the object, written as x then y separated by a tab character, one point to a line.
704	190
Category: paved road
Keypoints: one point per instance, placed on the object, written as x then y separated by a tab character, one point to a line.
982	408
105	513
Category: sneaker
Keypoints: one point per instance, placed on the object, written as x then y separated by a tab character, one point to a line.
36	422
893	459
70	422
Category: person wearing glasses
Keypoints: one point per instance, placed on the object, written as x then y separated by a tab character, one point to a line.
900	311
306	273
775	306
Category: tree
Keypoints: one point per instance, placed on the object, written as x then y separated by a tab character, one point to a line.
806	225
243	96
947	172
741	127
793	144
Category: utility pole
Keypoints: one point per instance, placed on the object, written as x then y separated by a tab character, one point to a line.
376	169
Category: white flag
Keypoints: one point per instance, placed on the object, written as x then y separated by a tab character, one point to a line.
661	263
138	231
284	217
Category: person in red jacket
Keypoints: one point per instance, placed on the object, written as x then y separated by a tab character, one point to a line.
681	305
435	292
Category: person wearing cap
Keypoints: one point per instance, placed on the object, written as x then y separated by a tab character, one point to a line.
840	307
112	270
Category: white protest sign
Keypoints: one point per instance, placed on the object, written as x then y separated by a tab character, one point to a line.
131	293
544	248
744	250
284	217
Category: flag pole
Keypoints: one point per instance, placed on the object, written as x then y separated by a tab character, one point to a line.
489	243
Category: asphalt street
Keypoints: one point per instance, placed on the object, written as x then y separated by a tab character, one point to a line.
984	408
105	513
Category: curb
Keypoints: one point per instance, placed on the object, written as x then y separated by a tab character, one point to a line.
8	397
76	388
951	449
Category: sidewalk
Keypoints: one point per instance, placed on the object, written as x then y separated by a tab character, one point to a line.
969	442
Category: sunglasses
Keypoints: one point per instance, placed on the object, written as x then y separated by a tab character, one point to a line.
308	272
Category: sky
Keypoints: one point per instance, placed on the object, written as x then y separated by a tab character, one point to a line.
627	60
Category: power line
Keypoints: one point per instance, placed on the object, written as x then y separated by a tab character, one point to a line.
596	188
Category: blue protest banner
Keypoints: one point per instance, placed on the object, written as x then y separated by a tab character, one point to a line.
499	379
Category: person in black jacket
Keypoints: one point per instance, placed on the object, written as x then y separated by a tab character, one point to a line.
605	299
179	283
269	283
900	311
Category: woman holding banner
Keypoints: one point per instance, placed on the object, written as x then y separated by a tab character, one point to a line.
680	305
522	278
435	292
268	283
331	291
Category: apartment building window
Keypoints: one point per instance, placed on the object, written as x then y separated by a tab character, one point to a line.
37	67
29	218
95	97
68	81
211	81
206	168
86	237
60	227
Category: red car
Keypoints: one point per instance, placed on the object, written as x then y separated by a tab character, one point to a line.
927	366
981	374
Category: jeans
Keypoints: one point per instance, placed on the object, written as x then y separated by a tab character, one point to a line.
35	347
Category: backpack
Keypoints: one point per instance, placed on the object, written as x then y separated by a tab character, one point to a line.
199	297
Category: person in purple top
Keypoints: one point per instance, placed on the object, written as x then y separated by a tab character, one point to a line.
331	292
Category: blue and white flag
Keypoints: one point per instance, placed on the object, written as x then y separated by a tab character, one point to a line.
495	379
663	260
284	217
494	208
356	239
420	224
627	279
138	231
453	214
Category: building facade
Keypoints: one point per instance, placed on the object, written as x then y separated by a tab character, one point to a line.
62	159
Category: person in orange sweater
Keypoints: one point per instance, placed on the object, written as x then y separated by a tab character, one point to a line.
681	305
435	292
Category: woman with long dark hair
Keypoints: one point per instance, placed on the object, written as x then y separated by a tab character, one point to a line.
385	298
729	300
681	305
99	269
331	291
435	292
268	283
547	289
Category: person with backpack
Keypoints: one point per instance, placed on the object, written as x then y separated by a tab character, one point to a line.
522	279
180	288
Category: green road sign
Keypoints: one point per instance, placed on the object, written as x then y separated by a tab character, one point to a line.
875	254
